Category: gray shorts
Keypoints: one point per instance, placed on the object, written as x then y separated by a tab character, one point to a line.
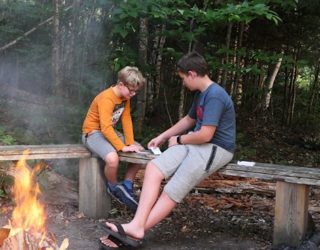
98	144
188	165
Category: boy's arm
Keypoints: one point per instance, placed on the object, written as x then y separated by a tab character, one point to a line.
180	127
127	126
201	136
106	126
212	113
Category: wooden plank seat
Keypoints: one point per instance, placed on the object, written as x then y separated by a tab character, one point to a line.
292	184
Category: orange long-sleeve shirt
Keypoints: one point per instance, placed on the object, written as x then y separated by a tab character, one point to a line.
104	113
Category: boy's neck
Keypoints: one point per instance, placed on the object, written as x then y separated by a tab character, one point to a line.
204	82
116	90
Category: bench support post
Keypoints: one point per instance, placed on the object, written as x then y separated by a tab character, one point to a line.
93	199
291	214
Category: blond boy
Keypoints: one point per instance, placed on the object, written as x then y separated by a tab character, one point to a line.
101	137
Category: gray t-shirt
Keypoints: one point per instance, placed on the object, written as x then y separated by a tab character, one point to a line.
214	107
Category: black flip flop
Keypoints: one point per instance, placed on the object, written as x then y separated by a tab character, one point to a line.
122	237
114	240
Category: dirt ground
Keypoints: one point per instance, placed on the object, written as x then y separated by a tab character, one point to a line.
194	224
205	220
176	232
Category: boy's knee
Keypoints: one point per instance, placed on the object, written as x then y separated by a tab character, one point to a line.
154	170
112	159
150	166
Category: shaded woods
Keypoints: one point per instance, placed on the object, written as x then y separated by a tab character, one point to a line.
57	55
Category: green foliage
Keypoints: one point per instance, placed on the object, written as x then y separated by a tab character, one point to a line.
242	12
5	180
148	133
184	19
244	151
106	39
305	78
310	123
6	139
30	13
316	160
2	193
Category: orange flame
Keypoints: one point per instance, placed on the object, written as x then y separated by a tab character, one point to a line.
28	214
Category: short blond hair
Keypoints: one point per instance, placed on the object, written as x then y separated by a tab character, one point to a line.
131	76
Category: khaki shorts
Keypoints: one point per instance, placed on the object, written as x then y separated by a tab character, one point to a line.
98	144
188	165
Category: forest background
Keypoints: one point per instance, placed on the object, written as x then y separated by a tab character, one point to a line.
56	56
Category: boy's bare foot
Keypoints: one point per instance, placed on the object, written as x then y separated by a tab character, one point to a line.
106	241
130	231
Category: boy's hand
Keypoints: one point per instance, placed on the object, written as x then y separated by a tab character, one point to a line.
156	142
132	148
140	148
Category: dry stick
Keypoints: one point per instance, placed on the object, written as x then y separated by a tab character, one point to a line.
29	32
25	34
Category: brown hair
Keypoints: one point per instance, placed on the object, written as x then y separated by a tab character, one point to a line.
131	76
193	61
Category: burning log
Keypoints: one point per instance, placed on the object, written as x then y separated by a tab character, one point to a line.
26	230
23	240
4	233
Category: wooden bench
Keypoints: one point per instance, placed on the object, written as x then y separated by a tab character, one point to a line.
292	185
93	198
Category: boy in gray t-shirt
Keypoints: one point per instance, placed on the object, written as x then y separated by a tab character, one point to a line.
190	157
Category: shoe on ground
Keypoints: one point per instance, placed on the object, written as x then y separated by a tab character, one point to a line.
123	196
130	192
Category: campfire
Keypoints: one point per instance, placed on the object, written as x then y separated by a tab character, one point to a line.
26	230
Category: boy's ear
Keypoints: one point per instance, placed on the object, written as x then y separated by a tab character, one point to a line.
192	73
121	83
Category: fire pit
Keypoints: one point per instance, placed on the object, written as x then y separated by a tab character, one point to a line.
26	230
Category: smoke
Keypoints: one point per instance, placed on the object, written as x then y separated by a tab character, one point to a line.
30	109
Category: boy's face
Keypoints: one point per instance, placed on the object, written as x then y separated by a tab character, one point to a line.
188	79
127	91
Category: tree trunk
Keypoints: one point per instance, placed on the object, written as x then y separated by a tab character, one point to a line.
143	49
154	82
181	102
71	37
315	88
285	96
226	62
56	50
261	83
292	93
271	82
83	38
236	58
162	41
236	90
183	90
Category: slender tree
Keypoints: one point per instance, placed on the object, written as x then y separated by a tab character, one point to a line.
56	49
143	58
271	82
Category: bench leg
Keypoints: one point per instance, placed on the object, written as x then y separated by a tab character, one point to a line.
93	200
291	214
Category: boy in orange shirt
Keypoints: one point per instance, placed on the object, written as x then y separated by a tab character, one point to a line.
100	136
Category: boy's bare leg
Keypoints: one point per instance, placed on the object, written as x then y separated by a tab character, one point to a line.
111	167
160	210
132	171
149	194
